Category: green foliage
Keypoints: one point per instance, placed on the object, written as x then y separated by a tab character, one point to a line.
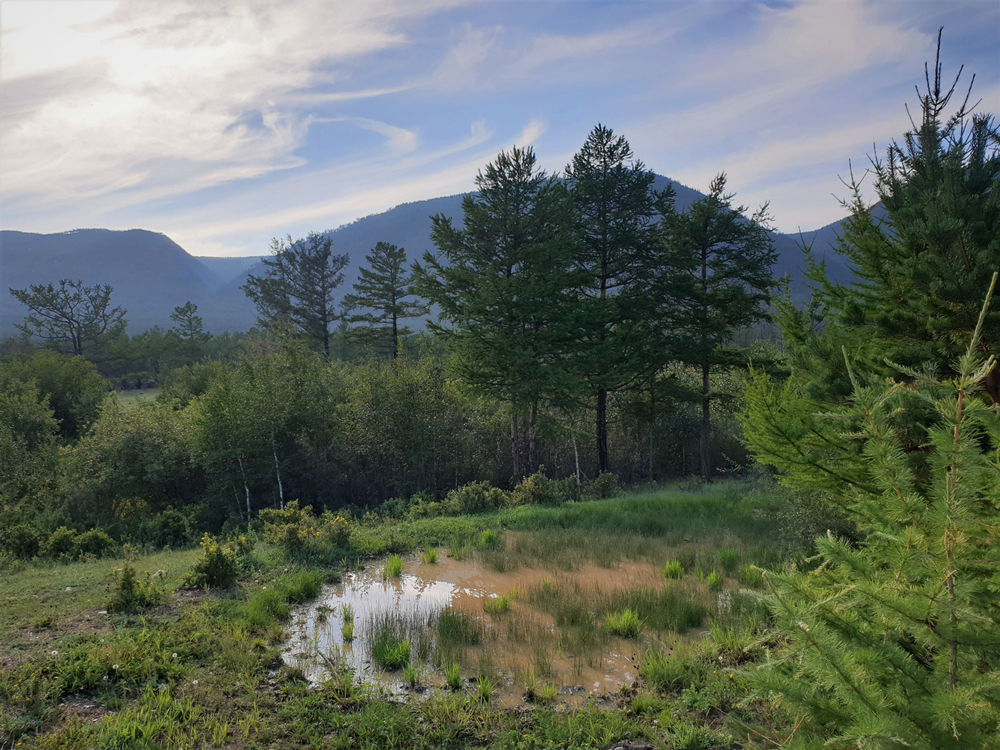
673	569
453	676
383	288
141	452
624	624
614	208
477	497
218	566
496	605
922	258
456	628
391	653
301	535
132	593
73	387
429	556
714	581
74	317
393	567
502	283
296	292
894	641
720	281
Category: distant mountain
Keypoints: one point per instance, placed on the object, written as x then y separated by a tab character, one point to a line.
151	274
227	269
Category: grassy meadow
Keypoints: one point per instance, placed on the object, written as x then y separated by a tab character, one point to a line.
201	667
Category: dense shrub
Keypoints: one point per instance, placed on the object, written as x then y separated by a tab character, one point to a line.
94	543
168	528
22	541
218	567
298	532
61	544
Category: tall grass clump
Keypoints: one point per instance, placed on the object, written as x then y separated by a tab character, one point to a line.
453	676
624	624
393	567
429	557
496	605
390	652
729	559
393	637
714	581
673	570
751	576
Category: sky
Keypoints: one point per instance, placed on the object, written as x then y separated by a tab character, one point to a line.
224	124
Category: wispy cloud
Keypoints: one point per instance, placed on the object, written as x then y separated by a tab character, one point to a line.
223	123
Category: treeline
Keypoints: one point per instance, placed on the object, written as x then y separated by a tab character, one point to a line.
225	439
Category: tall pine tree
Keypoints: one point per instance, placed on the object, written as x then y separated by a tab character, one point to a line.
502	284
382	288
922	259
296	292
614	212
717	279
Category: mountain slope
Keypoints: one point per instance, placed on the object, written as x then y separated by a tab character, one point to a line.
151	274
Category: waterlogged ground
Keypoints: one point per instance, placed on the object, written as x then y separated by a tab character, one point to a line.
550	636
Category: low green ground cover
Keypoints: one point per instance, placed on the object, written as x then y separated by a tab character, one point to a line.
201	667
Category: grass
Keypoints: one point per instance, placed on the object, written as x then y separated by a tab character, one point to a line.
453	676
197	670
393	567
496	605
429	557
673	570
624	624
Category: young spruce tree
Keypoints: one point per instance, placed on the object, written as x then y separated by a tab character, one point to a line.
895	642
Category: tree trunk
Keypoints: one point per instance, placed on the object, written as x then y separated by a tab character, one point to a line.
277	471
706	467
515	463
602	430
395	336
246	486
532	443
576	455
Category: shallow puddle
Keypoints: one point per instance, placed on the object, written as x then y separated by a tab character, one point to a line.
575	660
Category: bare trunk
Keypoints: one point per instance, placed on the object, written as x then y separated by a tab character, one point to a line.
395	336
706	467
532	443
650	451
576	455
515	463
246	486
281	490
602	430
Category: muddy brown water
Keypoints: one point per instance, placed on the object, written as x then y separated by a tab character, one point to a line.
522	639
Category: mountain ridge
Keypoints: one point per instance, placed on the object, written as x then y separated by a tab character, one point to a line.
151	274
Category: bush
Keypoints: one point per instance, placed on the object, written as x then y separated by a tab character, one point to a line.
673	569
218	566
132	594
22	541
94	543
61	544
477	497
605	486
169	528
296	531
